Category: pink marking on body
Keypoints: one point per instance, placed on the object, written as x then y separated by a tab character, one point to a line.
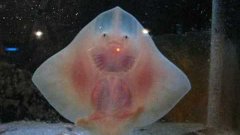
80	75
142	80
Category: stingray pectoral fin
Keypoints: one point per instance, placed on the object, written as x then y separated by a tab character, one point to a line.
62	79
168	84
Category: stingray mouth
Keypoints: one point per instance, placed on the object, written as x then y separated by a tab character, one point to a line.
113	58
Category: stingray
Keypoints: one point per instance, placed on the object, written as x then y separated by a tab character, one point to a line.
111	78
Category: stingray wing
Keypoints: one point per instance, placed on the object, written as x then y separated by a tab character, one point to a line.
54	78
166	84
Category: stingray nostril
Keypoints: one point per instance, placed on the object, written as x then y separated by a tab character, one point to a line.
104	34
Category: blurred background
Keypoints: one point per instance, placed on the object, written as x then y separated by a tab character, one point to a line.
201	39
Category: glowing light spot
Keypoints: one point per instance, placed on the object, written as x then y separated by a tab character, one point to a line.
118	49
11	49
145	31
38	34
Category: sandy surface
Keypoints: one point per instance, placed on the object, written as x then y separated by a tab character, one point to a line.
41	128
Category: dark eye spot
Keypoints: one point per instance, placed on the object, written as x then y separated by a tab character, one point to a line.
104	34
126	37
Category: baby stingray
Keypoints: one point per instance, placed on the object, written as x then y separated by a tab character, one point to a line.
111	78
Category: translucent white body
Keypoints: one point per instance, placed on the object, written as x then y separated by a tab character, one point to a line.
111	78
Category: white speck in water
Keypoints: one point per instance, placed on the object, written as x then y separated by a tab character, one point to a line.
38	34
145	31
